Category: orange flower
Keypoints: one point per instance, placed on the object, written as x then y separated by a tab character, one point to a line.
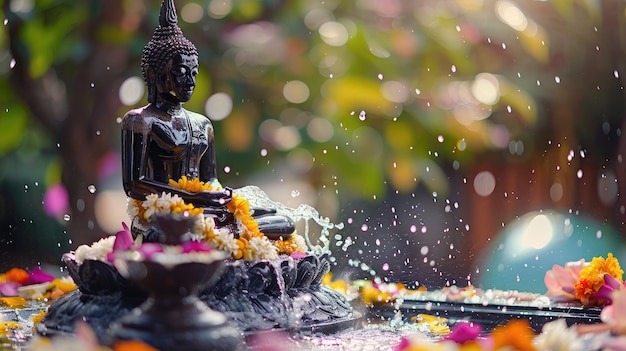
287	247
592	278
516	334
17	275
133	345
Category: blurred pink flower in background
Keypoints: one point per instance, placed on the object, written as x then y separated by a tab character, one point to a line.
55	200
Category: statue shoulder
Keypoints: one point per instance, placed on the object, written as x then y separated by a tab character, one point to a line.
138	118
198	118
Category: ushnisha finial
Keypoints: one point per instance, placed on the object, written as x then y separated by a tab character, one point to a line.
168	16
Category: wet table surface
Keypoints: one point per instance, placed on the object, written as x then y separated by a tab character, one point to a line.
380	328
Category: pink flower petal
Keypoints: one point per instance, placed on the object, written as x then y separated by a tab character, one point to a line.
9	288
404	343
38	276
123	239
149	249
55	200
298	255
464	332
196	246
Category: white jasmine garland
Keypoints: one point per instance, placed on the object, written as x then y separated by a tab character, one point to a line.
260	248
96	251
224	240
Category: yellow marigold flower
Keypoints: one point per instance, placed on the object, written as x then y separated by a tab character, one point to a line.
5	327
38	317
592	278
13	302
241	248
193	185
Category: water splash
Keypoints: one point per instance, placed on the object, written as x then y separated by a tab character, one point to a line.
258	198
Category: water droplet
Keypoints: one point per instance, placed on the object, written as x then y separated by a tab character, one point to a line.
6	21
380	76
295	193
440	138
424	250
599	234
362	116
616	74
557	79
579	174
93	85
424	229
413	228
66	218
92	188
263	152
226	169
12	63
364	227
385	266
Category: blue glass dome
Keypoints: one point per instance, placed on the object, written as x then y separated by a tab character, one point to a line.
528	247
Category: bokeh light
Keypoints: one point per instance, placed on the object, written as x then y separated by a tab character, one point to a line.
218	106
296	92
131	91
333	33
219	8
191	12
484	183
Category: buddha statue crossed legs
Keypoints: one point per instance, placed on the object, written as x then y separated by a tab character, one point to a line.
163	141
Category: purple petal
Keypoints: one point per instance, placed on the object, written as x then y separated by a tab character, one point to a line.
196	246
149	249
123	239
604	293
38	276
611	281
464	332
9	288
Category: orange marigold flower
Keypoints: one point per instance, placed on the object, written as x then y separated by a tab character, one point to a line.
592	278
286	247
17	275
515	335
133	345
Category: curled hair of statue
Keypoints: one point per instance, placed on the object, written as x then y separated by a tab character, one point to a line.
167	41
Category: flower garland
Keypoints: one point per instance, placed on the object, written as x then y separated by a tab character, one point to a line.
251	245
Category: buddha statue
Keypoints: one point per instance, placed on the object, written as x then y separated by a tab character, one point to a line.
162	141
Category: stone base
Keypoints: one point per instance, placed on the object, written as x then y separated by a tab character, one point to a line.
285	294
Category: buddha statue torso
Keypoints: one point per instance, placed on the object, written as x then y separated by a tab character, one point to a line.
180	144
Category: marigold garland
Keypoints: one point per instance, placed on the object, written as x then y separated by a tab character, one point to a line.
592	278
251	242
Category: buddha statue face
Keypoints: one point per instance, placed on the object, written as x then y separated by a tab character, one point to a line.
179	78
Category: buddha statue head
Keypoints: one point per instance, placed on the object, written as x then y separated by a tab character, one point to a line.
169	61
